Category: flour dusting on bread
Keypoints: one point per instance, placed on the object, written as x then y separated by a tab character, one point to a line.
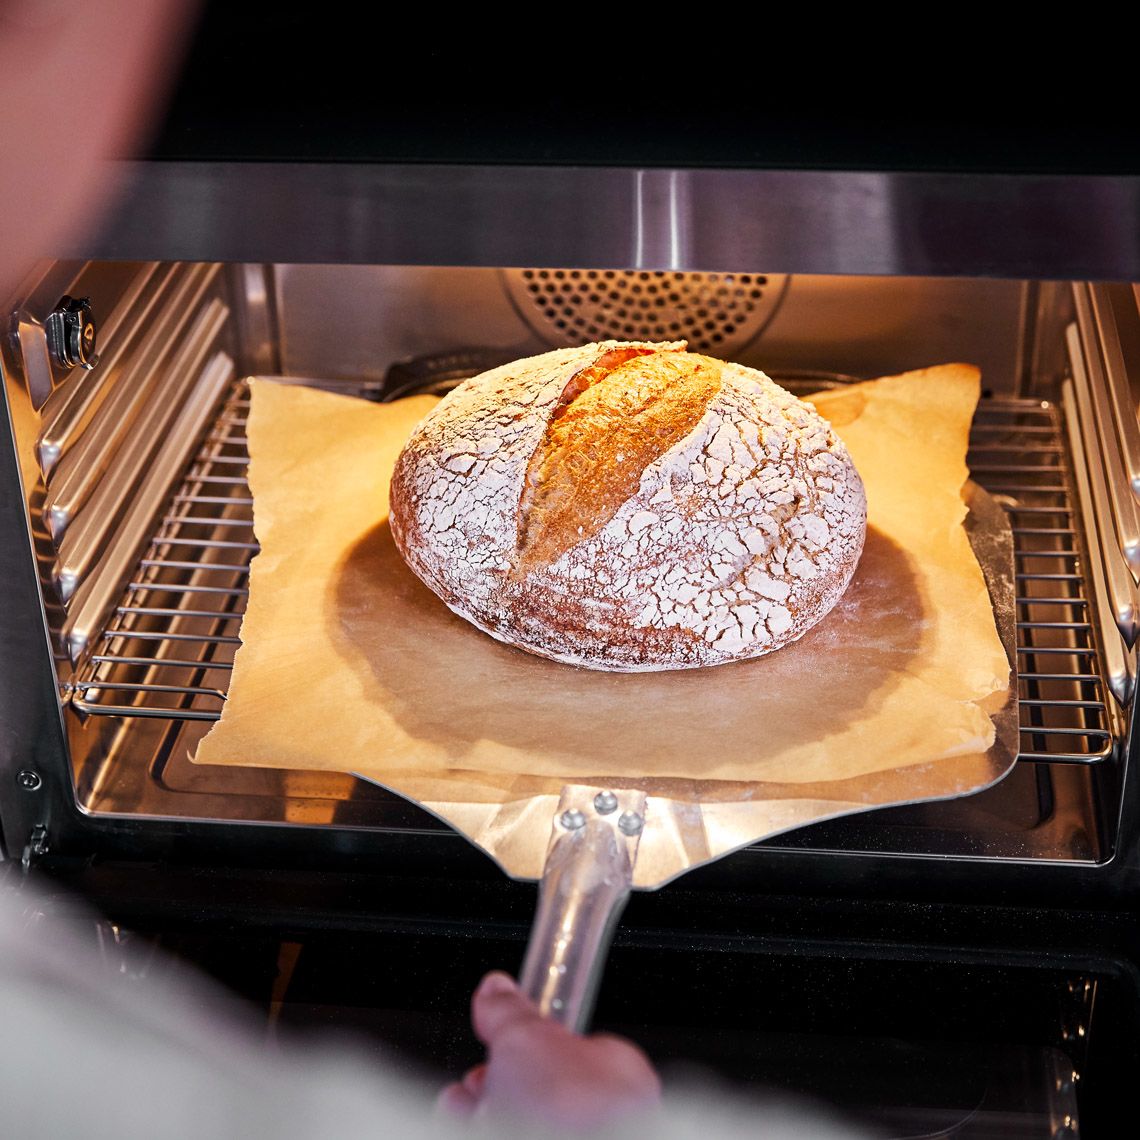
630	506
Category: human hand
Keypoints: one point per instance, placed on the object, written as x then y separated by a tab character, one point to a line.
538	1069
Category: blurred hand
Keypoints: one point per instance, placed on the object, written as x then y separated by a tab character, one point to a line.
540	1070
79	83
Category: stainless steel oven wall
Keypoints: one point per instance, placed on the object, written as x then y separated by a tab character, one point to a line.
354	322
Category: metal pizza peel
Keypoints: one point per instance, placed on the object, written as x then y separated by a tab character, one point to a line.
590	845
349	663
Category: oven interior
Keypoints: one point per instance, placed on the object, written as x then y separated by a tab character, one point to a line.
134	473
871	961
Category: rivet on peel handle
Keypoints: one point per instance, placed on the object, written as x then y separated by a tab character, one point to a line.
605	803
630	823
586	879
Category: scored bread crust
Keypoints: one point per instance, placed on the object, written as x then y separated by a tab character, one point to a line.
742	532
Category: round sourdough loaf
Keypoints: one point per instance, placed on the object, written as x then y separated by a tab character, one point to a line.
630	506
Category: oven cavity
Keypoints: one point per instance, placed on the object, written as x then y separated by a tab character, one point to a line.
142	524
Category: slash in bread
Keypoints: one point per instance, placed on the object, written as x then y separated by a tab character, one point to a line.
630	506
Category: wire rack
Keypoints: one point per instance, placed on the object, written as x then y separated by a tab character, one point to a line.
168	650
1017	453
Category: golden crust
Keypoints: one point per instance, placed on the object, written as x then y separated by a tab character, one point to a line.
634	406
630	507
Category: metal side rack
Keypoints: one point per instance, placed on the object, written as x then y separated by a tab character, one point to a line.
1018	454
168	649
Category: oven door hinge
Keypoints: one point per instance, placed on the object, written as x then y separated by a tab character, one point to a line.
36	847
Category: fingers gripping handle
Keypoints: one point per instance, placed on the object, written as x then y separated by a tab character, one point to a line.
585	884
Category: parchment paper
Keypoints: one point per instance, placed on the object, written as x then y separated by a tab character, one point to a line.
349	663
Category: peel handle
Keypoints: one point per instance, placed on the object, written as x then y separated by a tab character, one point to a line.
585	885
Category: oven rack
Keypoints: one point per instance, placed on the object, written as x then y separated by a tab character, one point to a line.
168	650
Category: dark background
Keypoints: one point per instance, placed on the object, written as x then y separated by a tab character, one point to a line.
790	86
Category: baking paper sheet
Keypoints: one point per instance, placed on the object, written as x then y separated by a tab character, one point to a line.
349	663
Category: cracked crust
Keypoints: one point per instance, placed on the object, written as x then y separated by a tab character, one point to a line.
630	506
615	417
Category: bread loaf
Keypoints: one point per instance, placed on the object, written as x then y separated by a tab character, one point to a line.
630	506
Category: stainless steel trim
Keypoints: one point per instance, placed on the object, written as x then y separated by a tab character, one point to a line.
88	459
123	469
779	221
32	337
1120	581
132	307
64	416
1116	375
1089	373
99	593
253	293
1118	665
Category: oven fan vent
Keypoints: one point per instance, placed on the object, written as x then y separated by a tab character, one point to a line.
718	313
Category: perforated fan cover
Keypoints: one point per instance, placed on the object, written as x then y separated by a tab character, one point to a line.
717	313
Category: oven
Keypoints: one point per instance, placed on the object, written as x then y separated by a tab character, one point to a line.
967	965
